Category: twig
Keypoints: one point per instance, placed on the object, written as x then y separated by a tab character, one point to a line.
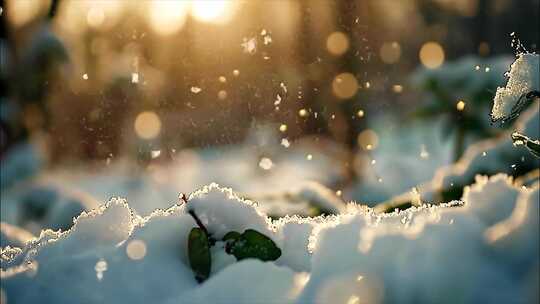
198	221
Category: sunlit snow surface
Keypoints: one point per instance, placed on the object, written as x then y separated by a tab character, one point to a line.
484	249
523	77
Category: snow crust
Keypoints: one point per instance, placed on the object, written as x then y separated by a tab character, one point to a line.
481	249
523	77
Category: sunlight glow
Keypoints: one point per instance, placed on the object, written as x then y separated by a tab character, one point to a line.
147	125
219	11
136	249
460	105
345	85
167	17
368	139
431	55
390	52
95	17
337	43
21	12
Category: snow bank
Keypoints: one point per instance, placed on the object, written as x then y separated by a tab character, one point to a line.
485	250
52	199
490	156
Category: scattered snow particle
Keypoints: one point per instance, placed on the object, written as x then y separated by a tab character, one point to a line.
460	105
134	77
249	45
303	113
333	116
309	157
487	69
278	100
85	76
283	127
136	250
360	113
222	79
368	85
283	87
236	73
267	39
100	268
195	90
338	193
109	159
484	153
477	68
266	163
380	180
397	88
424	154
155	153
285	142
373	162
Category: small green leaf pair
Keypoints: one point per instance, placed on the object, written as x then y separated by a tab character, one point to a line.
250	244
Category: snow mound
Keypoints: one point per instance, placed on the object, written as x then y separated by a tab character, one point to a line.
481	249
489	157
523	77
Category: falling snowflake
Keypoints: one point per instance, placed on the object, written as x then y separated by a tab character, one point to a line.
100	268
249	45
134	77
266	163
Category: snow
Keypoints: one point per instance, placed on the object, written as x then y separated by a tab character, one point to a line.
481	248
443	254
523	77
489	156
421	150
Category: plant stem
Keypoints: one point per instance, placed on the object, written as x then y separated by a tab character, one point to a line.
459	145
198	221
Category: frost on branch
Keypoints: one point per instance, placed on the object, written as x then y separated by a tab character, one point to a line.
523	84
482	249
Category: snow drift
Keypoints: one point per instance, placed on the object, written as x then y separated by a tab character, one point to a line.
481	249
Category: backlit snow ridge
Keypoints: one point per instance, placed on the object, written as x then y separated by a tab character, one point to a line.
523	78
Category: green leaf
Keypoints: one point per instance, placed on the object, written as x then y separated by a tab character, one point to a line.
199	254
253	244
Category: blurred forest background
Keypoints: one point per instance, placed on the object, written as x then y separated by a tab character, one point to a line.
96	80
